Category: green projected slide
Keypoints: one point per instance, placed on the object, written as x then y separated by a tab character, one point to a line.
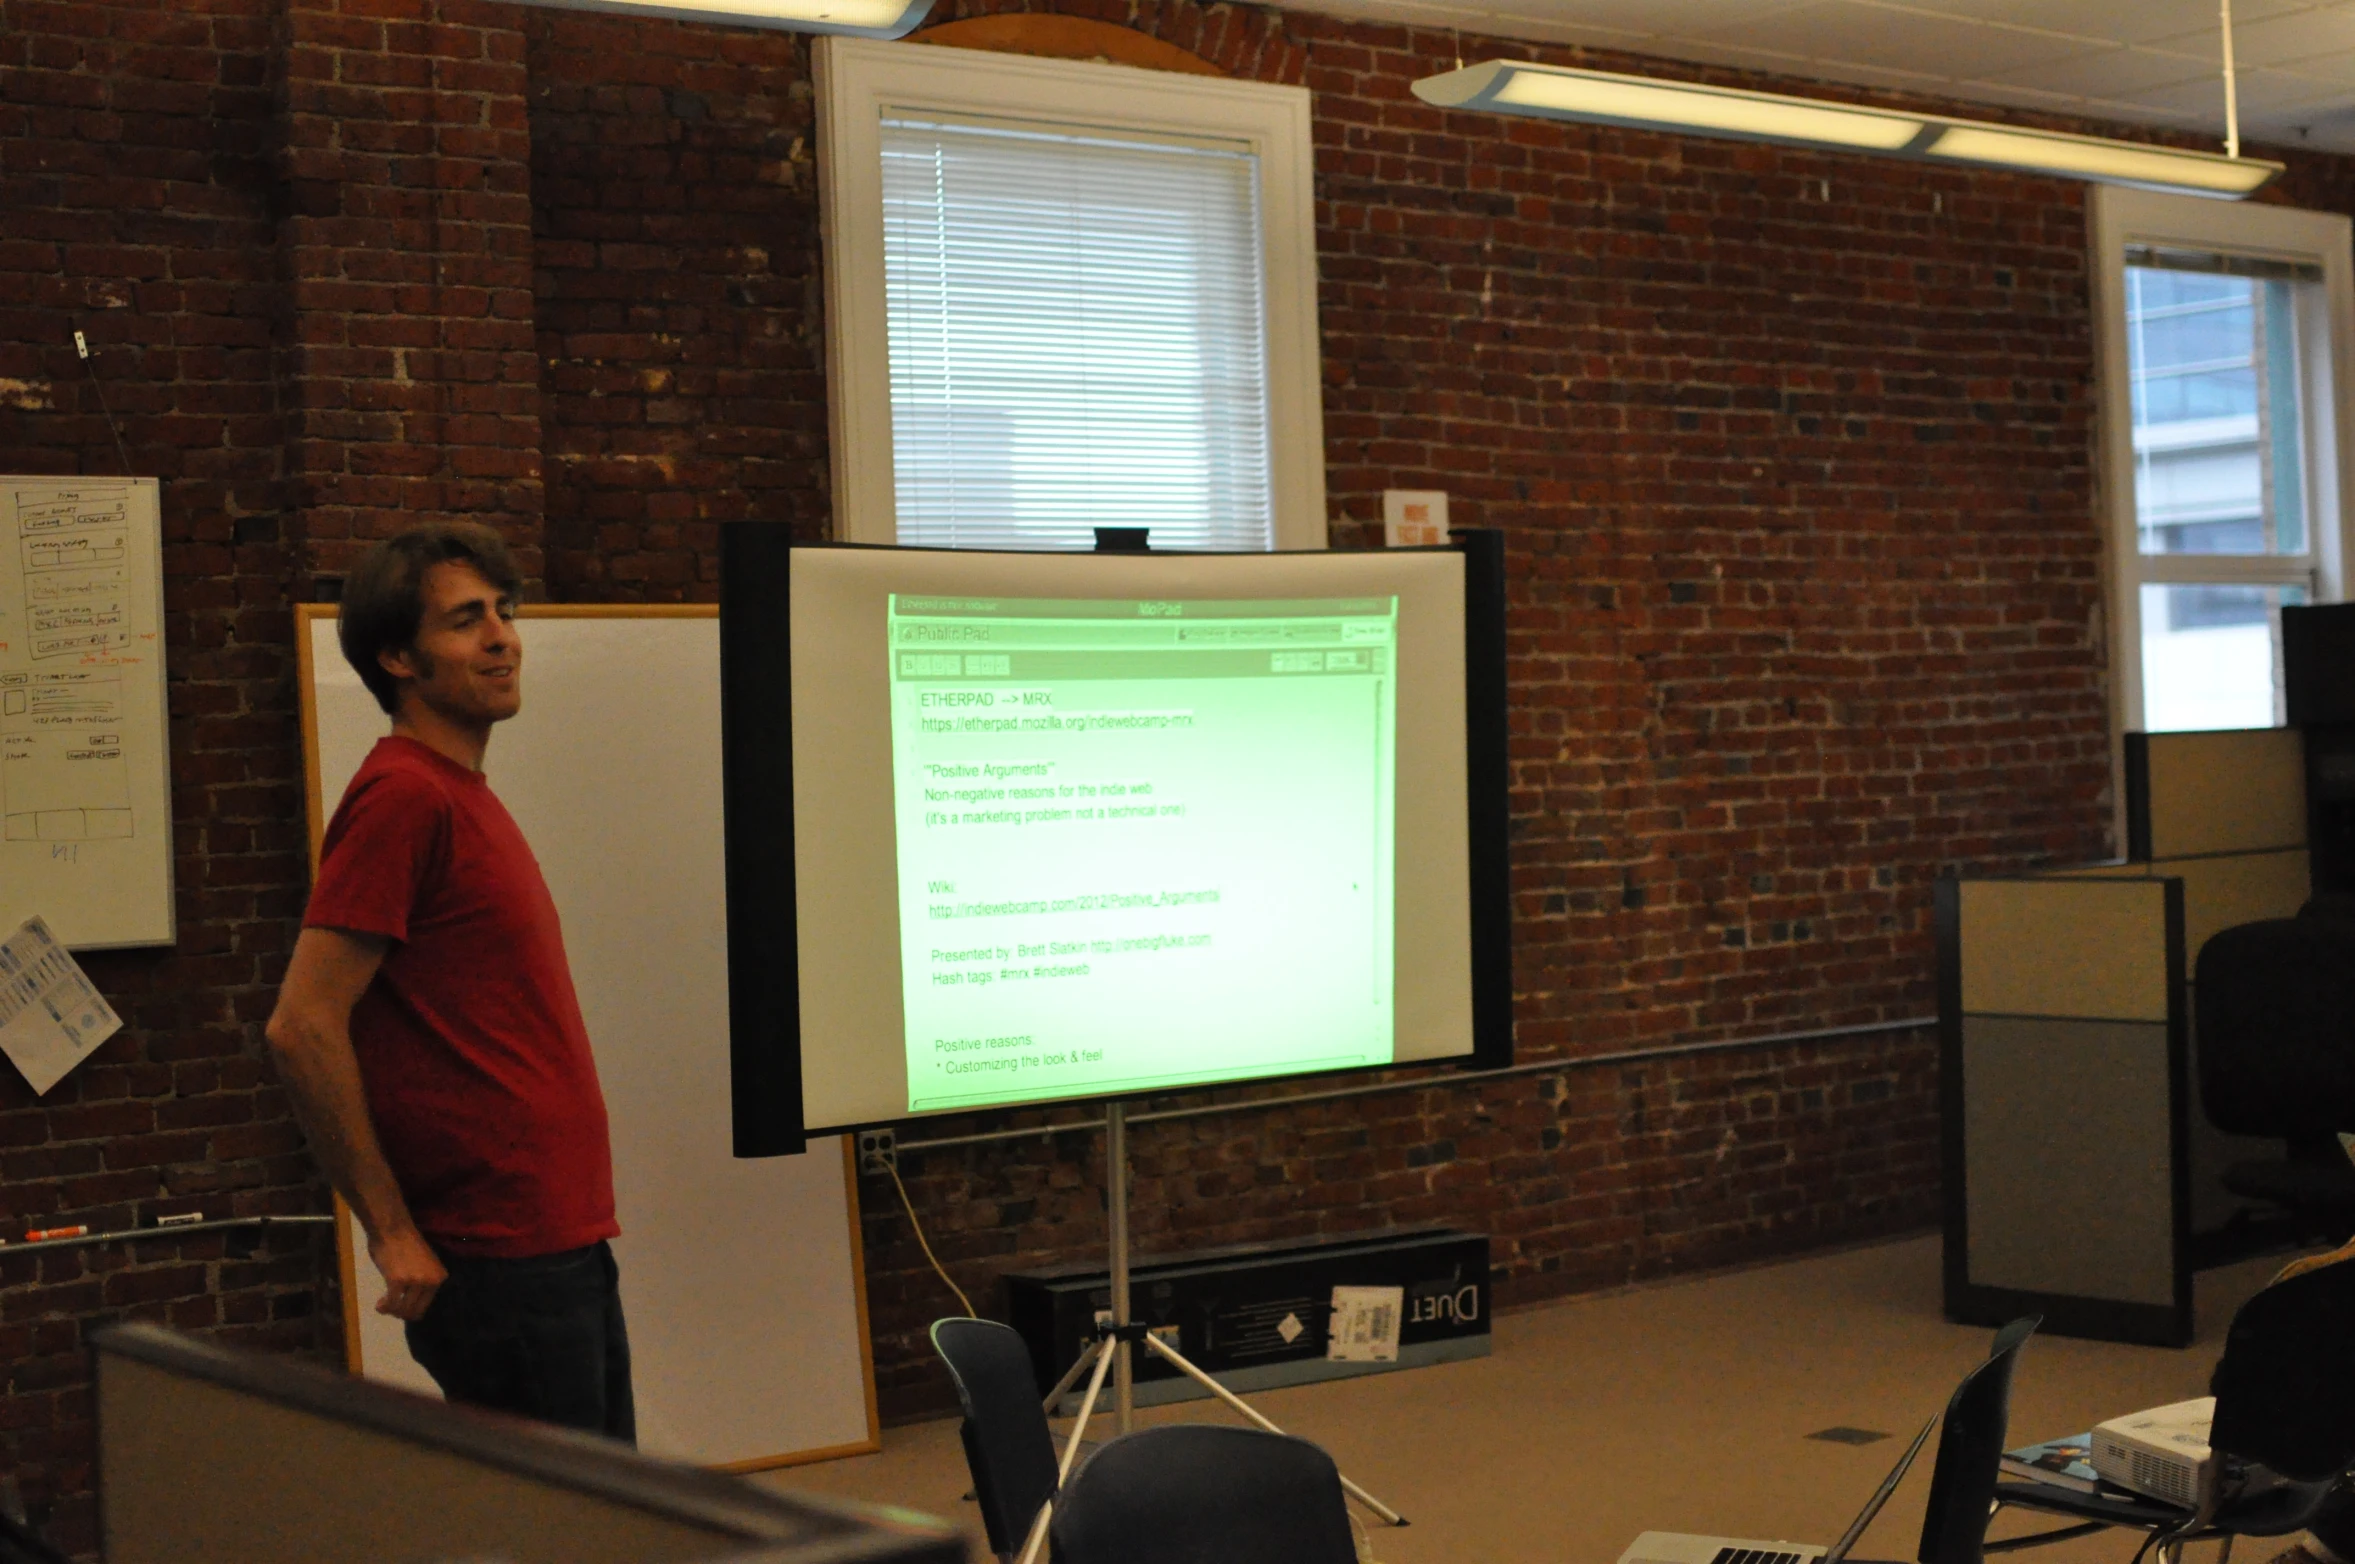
1142	845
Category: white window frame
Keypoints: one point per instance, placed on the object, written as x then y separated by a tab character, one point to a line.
858	80
2121	218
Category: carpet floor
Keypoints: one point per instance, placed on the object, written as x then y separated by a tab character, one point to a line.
1676	1406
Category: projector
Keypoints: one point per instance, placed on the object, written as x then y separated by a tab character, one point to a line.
2162	1452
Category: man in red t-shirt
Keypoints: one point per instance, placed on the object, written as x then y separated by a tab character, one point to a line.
427	1029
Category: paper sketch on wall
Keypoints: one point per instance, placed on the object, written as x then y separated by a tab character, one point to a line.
85	801
62	772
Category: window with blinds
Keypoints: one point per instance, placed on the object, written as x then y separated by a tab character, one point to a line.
1077	330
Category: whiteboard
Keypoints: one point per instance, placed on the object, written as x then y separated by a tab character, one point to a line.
742	1280
85	765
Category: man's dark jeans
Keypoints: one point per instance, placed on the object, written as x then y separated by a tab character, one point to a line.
542	1337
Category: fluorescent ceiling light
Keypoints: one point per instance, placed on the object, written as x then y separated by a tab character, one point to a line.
1561	92
859	18
1630	100
2114	162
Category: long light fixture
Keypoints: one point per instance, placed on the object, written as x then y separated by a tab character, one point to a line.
1600	97
858	18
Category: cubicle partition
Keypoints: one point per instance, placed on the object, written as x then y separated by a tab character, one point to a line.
2062	1075
2081	1178
210	1455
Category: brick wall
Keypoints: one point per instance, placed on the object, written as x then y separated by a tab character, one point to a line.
681	332
136	172
411	385
298	240
1792	454
1793	457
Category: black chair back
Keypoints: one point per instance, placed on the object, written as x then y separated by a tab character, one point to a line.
2285	1387
1970	1453
2274	1003
1204	1494
1007	1442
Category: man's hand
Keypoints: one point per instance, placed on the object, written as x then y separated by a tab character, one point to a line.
310	1034
412	1274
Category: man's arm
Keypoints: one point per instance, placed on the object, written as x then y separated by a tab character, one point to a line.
310	1033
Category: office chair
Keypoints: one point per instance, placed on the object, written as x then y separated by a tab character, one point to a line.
2285	1401
1970	1453
2275	1008
2330	904
1192	1493
20	1542
1007	1442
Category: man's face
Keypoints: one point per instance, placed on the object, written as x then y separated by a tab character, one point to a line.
467	663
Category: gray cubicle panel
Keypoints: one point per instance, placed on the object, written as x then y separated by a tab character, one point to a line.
2063	1080
2194	795
208	1454
2219	890
2082	1179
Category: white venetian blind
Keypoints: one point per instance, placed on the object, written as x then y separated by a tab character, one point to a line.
1078	337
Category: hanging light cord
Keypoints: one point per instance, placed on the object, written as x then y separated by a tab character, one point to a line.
2232	108
98	389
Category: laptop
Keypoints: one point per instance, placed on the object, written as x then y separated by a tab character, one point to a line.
1674	1547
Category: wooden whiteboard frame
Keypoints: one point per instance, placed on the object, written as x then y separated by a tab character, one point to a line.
306	617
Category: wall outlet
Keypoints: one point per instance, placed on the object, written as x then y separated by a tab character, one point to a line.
878	1153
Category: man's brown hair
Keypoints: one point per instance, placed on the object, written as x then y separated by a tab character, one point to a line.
384	595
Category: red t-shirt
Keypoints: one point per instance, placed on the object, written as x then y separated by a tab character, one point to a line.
471	1047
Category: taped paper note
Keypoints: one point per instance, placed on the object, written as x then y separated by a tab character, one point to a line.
1365	1324
50	1015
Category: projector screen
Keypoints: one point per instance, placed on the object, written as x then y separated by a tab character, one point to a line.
1013	828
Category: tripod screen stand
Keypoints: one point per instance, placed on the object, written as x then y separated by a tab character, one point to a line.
1114	1341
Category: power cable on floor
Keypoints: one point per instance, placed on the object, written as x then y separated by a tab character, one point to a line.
918	1228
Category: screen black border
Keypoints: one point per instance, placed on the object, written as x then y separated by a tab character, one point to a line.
764	982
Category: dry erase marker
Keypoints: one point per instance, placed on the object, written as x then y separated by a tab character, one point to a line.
78	1230
180	1220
